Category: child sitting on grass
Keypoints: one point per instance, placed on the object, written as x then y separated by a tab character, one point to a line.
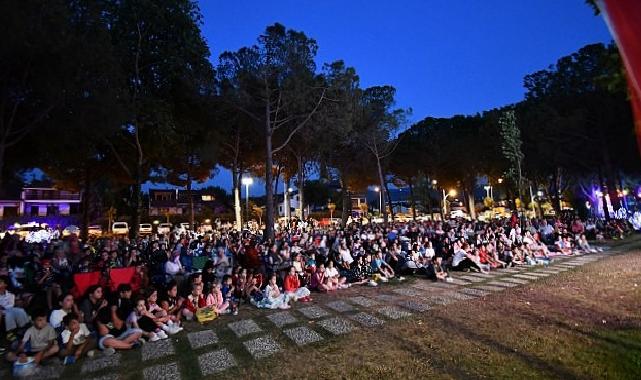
76	339
227	290
292	287
216	301
39	341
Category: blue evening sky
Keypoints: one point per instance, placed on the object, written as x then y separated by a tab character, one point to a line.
444	57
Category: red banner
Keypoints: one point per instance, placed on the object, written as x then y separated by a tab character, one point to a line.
624	20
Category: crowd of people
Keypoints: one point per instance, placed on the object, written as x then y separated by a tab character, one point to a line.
189	275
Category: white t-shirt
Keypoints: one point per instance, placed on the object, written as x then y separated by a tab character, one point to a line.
429	252
7	299
331	272
56	318
459	256
79	338
346	256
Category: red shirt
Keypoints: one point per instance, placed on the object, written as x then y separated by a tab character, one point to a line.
291	283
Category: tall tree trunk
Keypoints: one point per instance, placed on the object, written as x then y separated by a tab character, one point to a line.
300	178
412	201
287	208
471	204
346	199
556	199
191	201
389	201
137	202
276	180
382	185
86	202
236	176
269	190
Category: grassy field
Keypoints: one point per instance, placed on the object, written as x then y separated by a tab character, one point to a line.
581	324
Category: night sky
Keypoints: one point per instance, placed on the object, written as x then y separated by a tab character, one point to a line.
444	57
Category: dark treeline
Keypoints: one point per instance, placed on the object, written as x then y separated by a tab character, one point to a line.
104	95
576	135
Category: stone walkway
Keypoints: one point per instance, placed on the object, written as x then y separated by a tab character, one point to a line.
269	332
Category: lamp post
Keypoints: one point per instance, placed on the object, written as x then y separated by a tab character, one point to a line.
380	200
451	193
247	181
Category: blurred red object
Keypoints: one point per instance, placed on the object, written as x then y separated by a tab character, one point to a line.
624	20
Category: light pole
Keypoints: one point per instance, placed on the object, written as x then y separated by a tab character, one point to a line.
451	193
247	181
380	200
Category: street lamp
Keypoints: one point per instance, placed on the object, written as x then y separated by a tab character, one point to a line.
500	180
247	181
380	199
452	193
487	190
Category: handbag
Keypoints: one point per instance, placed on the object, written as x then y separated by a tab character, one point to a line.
206	314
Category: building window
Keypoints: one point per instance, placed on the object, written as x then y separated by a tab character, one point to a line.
53	210
207	198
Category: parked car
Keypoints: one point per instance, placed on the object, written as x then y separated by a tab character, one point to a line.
145	229
71	229
23	230
94	230
120	228
164	228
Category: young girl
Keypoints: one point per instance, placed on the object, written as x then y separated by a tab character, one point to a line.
193	302
292	287
272	297
140	318
215	300
319	279
162	318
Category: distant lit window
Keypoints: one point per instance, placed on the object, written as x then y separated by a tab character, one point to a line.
207	198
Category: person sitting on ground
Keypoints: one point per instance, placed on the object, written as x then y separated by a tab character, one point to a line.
438	270
463	260
171	303
291	286
228	291
112	330
67	306
12	316
318	280
193	302
76	339
140	318
272	296
39	341
45	279
216	301
381	268
563	245
337	280
159	315
584	246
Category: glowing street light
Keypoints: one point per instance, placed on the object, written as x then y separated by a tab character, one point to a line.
500	180
452	193
247	181
434	182
380	199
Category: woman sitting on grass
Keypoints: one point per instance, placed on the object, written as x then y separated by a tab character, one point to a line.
337	280
291	286
272	297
